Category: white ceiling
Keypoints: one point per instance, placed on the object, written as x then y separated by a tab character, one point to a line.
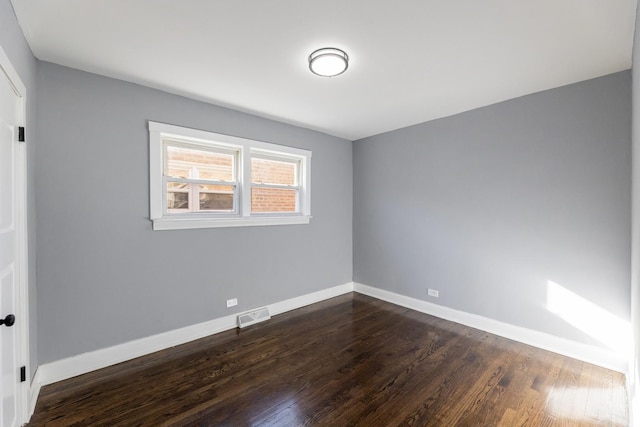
411	60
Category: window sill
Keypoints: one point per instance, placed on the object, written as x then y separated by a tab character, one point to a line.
189	223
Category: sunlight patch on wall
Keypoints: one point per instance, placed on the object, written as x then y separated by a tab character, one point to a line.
590	318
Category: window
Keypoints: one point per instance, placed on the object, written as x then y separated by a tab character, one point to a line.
275	185
201	179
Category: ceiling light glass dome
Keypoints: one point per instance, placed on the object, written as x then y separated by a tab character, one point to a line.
328	62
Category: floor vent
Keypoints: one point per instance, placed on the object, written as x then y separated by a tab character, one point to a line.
255	316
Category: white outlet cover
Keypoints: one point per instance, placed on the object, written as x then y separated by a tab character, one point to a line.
232	302
433	293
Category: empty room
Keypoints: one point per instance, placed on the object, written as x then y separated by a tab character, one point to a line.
287	213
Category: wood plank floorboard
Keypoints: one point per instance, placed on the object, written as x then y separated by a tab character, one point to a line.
348	361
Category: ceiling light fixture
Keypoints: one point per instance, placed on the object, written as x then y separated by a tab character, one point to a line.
328	62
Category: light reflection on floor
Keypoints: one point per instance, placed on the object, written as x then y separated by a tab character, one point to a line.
285	413
585	404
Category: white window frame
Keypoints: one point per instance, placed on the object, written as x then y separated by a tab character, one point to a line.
194	181
298	186
245	149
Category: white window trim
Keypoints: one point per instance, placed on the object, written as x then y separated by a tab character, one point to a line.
245	147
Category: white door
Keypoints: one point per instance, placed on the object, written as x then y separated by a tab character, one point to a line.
10	105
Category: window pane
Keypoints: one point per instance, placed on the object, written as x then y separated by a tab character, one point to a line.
209	197
273	200
178	201
178	196
178	172
265	171
216	197
199	164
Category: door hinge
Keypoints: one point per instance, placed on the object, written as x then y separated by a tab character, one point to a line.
21	134
23	374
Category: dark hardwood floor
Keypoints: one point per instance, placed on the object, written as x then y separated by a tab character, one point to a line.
351	360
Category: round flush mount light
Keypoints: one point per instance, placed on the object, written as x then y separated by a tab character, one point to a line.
328	62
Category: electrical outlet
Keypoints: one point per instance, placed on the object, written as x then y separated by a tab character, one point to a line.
432	293
232	302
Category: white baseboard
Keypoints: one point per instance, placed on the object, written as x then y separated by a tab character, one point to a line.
83	363
588	353
312	298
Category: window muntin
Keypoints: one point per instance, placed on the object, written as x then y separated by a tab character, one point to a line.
201	179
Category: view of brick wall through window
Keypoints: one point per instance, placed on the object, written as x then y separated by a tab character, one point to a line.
265	199
190	163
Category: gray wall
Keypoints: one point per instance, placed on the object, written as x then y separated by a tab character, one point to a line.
19	53
106	277
489	205
485	206
634	370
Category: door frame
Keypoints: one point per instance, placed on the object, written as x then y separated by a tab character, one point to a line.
22	250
